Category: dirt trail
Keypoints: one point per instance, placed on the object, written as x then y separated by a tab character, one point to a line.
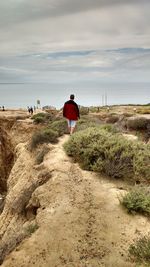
81	223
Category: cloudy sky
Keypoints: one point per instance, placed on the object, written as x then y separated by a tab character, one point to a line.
88	44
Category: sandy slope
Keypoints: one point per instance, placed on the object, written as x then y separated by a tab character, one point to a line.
81	223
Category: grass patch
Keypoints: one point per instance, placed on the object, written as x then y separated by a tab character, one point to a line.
138	123
60	126
31	229
112	118
49	134
127	115
144	110
85	123
44	136
137	200
84	111
140	251
42	118
104	151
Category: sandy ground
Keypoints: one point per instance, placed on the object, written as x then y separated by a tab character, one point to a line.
13	113
81	222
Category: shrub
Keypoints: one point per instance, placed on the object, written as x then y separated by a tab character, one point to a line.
41	154
109	128
84	111
86	123
127	115
99	150
137	200
144	110
137	123
39	119
95	109
59	126
142	162
42	117
112	119
44	136
140	250
83	124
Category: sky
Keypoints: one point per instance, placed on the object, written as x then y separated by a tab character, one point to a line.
51	48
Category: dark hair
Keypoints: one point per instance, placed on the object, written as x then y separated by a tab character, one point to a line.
72	97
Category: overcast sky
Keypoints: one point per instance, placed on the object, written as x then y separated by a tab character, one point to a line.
74	42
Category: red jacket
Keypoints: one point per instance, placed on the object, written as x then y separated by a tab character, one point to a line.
71	110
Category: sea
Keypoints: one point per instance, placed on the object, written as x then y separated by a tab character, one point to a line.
21	95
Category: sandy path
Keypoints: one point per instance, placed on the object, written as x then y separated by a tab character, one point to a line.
81	223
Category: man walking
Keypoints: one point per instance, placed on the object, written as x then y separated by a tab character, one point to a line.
71	113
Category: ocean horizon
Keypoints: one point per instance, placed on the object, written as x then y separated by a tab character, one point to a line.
21	95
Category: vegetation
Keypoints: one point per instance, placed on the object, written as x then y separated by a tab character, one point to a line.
44	136
31	228
94	109
41	154
49	134
137	200
126	114
99	149
85	123
112	118
42	118
140	251
138	123
60	126
144	110
84	111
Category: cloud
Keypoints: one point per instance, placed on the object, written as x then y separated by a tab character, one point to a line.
61	40
89	30
94	65
20	10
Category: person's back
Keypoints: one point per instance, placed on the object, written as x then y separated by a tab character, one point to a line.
71	113
31	110
70	110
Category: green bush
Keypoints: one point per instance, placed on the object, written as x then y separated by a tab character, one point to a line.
143	110
42	118
127	115
137	123
84	111
140	251
44	136
83	124
137	200
39	119
86	123
99	150
112	119
95	109
41	114
109	128
59	126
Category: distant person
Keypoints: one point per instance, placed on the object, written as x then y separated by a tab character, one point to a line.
31	110
3	108
28	109
71	113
